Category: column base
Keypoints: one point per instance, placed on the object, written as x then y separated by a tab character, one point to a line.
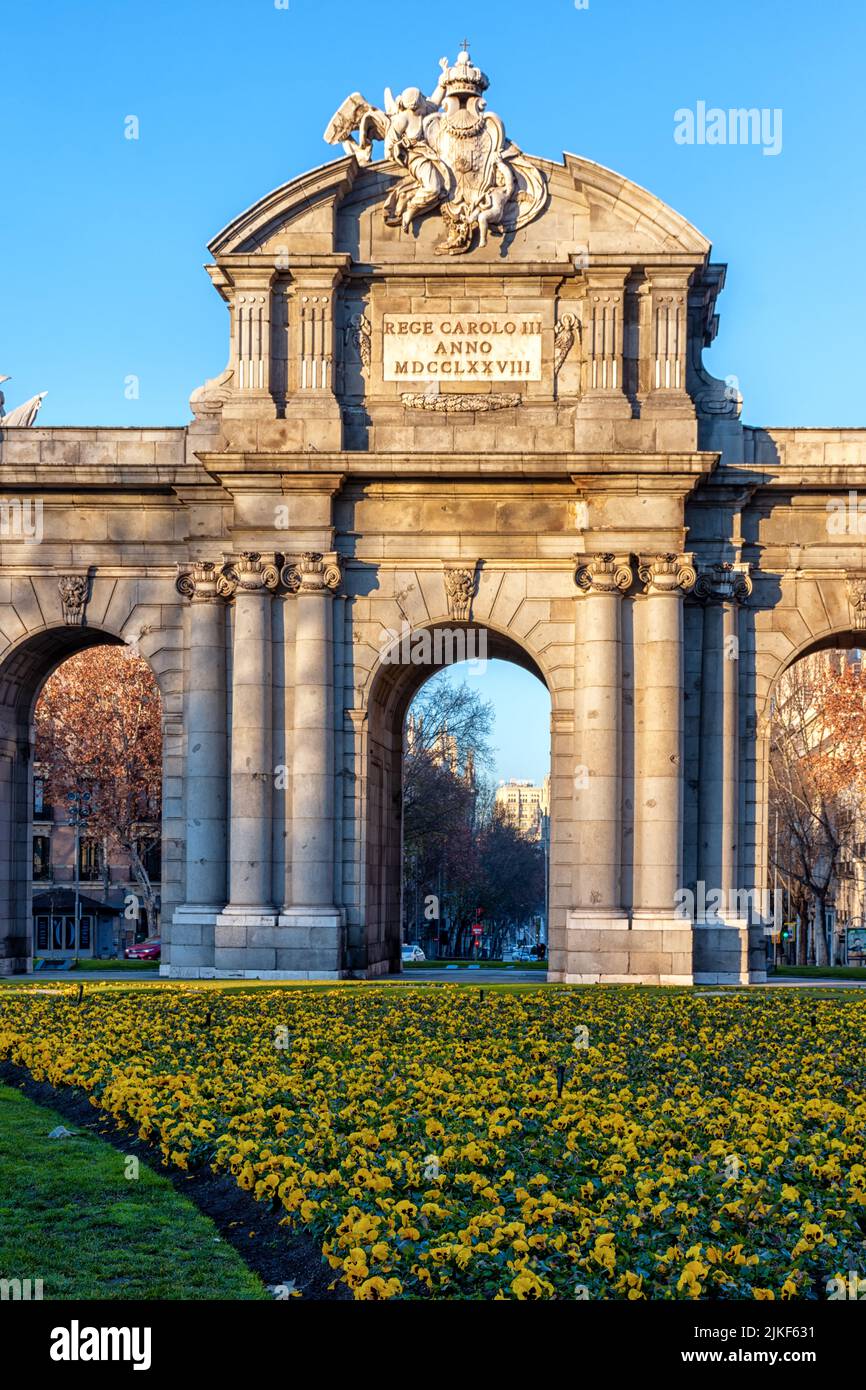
728	951
244	940
311	939
608	948
190	939
604	405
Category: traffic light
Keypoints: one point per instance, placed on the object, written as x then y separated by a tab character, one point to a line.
787	933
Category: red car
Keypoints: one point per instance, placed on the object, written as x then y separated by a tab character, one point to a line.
145	950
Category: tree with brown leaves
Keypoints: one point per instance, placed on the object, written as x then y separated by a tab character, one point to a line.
99	729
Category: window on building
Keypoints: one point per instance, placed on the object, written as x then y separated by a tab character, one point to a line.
41	857
88	860
42	933
151	856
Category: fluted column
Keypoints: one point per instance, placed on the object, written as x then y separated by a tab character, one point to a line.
598	790
252	771
206	747
659	738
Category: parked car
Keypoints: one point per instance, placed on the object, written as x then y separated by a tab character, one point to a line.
411	953
145	950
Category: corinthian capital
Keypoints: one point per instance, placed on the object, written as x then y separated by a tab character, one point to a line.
313	573
668	574
724	583
605	574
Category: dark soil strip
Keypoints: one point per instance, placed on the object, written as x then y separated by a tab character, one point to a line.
276	1254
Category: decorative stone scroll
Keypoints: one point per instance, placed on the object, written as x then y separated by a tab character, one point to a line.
666	574
605	574
73	597
313	573
203	582
724	583
463	402
856	586
459	592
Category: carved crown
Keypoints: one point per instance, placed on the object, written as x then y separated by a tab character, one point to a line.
464	78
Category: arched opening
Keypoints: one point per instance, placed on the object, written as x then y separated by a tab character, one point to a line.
816	805
375	945
60	852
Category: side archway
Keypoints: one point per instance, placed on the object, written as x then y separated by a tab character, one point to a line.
25	666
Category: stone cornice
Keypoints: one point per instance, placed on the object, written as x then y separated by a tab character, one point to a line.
581	468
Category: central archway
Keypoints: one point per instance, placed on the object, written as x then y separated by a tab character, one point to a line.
395	681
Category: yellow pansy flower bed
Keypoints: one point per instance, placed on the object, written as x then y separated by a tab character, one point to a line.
445	1142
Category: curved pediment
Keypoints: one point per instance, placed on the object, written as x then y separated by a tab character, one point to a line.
588	211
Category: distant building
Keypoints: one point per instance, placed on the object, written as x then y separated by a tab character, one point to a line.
107	921
525	805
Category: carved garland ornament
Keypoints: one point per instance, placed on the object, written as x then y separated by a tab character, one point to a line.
566	332
454	401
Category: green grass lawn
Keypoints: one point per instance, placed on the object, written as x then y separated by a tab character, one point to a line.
69	1217
822	972
104	966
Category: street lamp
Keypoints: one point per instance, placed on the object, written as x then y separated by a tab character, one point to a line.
79	810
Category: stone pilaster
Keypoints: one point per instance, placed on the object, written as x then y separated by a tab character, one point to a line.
192	932
312	302
251	344
658	769
603	337
664	339
721	917
310	926
244	938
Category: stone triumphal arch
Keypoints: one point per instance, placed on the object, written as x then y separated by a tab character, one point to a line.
464	391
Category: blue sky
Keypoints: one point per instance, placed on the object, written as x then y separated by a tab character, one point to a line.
102	239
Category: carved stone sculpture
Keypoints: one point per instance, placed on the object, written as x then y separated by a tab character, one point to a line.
23	415
454	153
459	590
73	597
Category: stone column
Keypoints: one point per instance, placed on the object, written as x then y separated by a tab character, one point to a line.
597	934
245	930
598	792
192	932
667	946
721	947
310	936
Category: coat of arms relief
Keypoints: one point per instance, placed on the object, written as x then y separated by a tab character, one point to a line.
455	154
